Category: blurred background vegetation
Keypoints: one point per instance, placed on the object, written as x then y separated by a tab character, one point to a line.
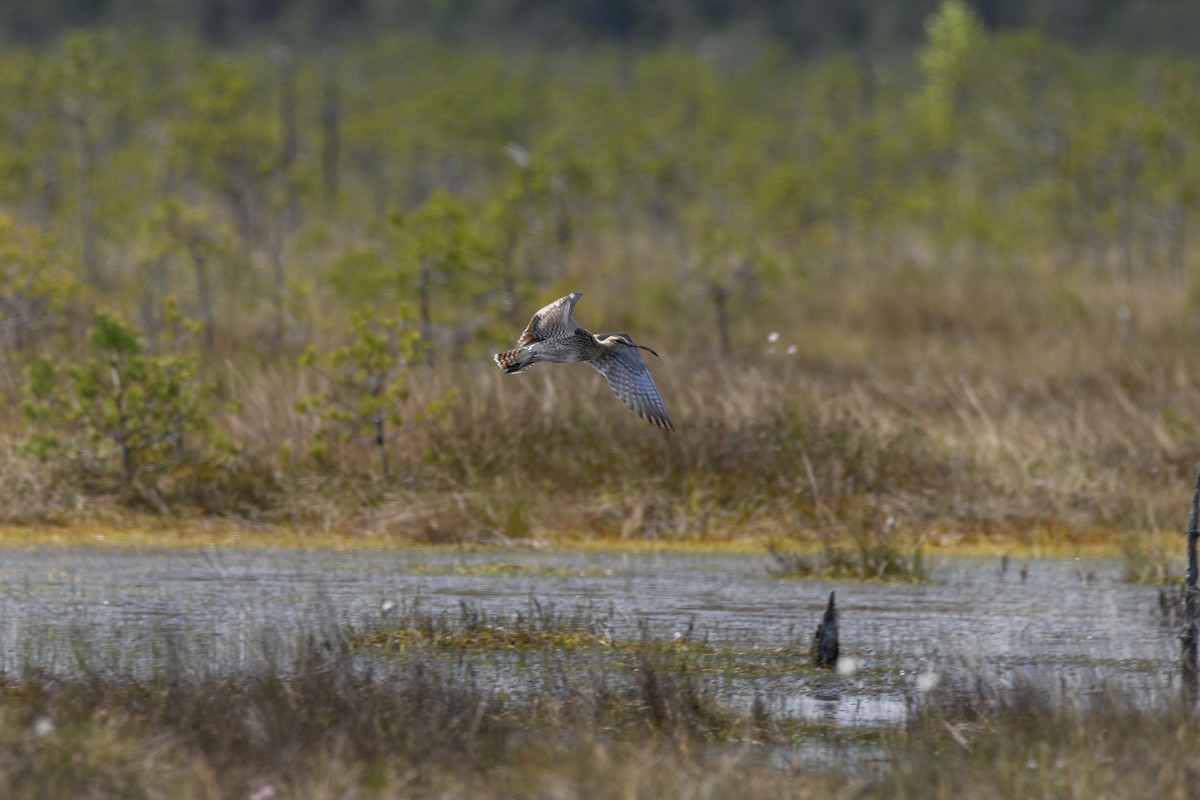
916	269
802	26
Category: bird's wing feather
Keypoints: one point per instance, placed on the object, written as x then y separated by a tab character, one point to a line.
630	381
551	322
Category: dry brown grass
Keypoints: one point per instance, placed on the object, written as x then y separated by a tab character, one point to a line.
952	407
324	726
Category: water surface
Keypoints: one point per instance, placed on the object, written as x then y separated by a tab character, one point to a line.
1070	624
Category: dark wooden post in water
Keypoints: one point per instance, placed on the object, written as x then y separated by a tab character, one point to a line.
1189	601
825	640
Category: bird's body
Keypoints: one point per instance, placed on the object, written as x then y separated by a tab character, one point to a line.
554	335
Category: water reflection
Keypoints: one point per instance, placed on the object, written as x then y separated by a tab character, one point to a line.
1073	622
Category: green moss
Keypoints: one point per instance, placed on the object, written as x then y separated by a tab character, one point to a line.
503	568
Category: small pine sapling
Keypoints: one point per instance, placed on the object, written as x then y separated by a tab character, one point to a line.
120	412
367	399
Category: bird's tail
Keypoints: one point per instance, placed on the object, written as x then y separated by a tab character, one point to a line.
514	360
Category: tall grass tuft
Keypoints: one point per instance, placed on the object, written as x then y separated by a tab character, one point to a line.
413	724
432	723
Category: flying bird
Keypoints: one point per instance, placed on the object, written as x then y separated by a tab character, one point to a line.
554	335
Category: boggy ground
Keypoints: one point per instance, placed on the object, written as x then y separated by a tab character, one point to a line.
418	723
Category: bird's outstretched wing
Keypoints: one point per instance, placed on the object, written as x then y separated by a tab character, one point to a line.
554	321
630	381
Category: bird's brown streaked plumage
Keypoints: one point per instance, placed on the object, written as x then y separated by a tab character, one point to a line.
553	335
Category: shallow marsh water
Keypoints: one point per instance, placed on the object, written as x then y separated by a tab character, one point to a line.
1070	625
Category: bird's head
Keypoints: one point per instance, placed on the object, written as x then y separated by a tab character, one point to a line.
622	339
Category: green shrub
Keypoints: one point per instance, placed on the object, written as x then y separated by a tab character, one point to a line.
367	396
119	415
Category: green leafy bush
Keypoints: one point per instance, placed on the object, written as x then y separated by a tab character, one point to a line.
121	416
